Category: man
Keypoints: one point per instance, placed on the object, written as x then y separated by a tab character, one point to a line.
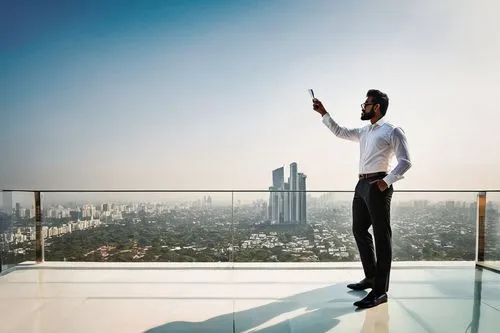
371	205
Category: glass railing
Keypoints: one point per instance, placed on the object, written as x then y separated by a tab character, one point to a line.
238	226
426	226
17	228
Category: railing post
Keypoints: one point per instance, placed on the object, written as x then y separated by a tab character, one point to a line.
480	227
38	229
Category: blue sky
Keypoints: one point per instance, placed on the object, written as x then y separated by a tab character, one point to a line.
213	94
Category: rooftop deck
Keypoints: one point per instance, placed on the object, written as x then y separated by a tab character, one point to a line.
230	297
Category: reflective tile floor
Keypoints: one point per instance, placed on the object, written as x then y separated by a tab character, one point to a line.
218	298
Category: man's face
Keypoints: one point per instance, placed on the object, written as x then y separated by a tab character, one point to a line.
368	109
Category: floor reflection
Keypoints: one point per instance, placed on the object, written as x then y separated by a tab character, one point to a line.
376	319
476	310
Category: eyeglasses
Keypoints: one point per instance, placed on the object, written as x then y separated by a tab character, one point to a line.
365	104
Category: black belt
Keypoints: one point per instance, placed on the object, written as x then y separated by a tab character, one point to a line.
372	175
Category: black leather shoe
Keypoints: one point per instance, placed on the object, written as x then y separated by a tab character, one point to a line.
371	300
361	285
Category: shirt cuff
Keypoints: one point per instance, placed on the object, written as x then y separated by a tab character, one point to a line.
326	117
391	179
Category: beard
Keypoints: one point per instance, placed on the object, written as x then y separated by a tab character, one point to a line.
368	115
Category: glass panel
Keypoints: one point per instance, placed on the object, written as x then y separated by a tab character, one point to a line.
267	227
492	229
330	217
433	226
144	227
17	228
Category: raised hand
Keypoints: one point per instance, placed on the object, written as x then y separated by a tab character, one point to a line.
318	107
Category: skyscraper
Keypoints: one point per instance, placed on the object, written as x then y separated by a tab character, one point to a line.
278	213
286	203
18	210
279	178
302	198
293	195
274	205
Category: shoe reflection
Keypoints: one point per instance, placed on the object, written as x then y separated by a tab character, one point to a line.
376	319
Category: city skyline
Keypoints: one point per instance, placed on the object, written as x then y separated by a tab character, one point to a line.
213	94
423	230
26	199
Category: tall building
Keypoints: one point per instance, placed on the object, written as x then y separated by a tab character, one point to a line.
18	210
279	178
293	195
274	206
287	204
278	215
270	206
302	204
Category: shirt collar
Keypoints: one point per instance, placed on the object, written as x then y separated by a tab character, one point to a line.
379	122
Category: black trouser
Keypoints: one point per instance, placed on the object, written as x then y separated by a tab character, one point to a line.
371	207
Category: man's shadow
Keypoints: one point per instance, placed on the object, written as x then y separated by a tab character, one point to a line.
314	311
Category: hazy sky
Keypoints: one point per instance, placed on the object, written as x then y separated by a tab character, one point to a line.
213	94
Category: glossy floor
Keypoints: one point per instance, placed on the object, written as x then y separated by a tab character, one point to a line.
219	298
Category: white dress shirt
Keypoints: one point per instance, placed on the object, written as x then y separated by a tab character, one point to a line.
379	142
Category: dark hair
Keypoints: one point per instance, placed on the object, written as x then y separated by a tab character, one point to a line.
379	97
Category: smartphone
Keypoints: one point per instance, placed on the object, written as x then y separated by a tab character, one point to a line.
311	93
